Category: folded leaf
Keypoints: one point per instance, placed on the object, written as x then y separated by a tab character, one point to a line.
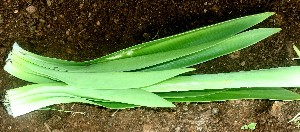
22	100
221	48
190	38
243	93
122	80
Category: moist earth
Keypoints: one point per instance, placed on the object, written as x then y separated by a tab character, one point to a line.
85	29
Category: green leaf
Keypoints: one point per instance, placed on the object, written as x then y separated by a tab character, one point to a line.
127	78
25	74
25	70
46	62
296	50
274	77
127	64
43	59
34	102
130	96
250	126
188	56
224	47
192	93
33	97
242	93
100	80
115	105
190	38
139	62
121	80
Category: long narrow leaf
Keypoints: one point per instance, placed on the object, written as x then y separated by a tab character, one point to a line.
47	60
30	97
127	64
227	46
183	40
190	38
276	77
130	96
296	50
99	80
25	74
243	93
192	93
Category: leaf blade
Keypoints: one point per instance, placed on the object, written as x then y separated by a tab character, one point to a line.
227	46
190	38
274	77
243	93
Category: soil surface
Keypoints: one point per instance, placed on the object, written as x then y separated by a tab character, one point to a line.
85	29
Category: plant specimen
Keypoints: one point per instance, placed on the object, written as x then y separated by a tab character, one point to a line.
151	74
250	126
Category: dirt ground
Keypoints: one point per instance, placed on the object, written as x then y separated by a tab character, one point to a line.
85	29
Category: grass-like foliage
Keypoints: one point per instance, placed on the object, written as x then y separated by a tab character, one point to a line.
150	74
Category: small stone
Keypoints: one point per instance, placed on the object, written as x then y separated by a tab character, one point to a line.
68	32
116	21
16	11
215	111
31	9
235	55
243	63
98	23
49	2
185	108
80	6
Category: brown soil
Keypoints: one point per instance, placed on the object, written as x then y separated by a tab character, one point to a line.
81	30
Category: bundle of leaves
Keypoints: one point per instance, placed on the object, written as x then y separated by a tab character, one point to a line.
151	74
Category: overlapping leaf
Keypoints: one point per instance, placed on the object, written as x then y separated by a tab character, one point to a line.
276	77
147	74
210	34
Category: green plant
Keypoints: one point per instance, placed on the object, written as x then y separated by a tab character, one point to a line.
298	54
250	126
296	118
151	74
297	51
